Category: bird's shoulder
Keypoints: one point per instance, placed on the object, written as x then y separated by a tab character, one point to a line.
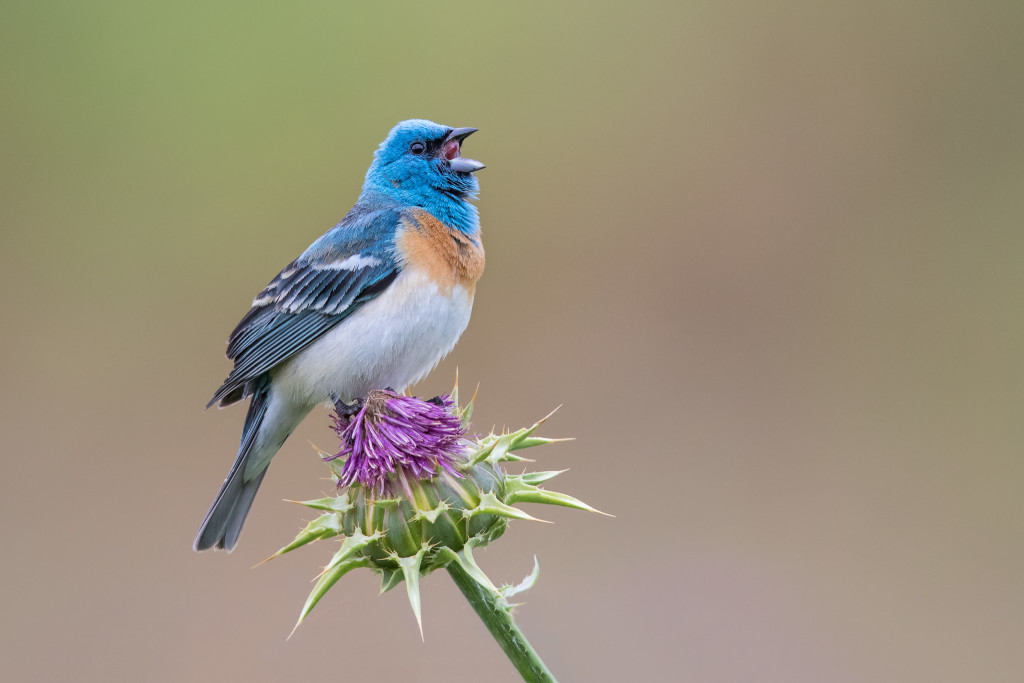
448	256
362	230
356	253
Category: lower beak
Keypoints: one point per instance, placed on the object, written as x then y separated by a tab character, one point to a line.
464	165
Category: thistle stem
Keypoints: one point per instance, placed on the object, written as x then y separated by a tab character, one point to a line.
499	622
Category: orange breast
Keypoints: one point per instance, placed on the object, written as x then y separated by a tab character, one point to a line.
448	256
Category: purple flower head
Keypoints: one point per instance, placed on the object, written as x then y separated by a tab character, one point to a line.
393	433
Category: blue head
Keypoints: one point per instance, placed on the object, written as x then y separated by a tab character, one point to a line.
420	164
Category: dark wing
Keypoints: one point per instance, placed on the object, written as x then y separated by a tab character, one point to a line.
317	291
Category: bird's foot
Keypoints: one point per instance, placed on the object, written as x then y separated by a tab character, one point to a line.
347	410
437	401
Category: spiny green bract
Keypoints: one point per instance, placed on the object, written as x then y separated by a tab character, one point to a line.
426	524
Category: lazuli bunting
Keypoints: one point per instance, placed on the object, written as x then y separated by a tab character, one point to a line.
375	302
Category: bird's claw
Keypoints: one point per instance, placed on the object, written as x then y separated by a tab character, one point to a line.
347	410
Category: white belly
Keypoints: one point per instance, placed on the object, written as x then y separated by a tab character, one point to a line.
392	341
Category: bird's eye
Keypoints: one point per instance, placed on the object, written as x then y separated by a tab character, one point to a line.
417	148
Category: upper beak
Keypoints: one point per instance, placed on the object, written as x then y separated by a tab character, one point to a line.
461	134
460	163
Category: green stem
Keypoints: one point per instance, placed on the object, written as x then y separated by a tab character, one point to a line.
499	622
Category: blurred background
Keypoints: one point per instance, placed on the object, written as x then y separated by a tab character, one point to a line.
767	255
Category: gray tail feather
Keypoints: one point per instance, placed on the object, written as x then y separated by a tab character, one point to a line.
223	523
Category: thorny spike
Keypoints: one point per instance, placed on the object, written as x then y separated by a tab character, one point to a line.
532	428
330	504
325	583
496	449
524	585
540	477
411	572
519	491
531	441
489	504
350	547
324	526
467	412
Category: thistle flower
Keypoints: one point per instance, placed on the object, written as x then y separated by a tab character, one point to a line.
391	433
415	494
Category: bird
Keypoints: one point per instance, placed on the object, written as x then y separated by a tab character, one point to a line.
376	302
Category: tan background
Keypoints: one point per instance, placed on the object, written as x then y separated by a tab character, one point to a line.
768	255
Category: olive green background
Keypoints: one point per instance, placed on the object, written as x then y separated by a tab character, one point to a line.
767	255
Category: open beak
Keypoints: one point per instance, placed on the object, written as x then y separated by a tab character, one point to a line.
452	151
